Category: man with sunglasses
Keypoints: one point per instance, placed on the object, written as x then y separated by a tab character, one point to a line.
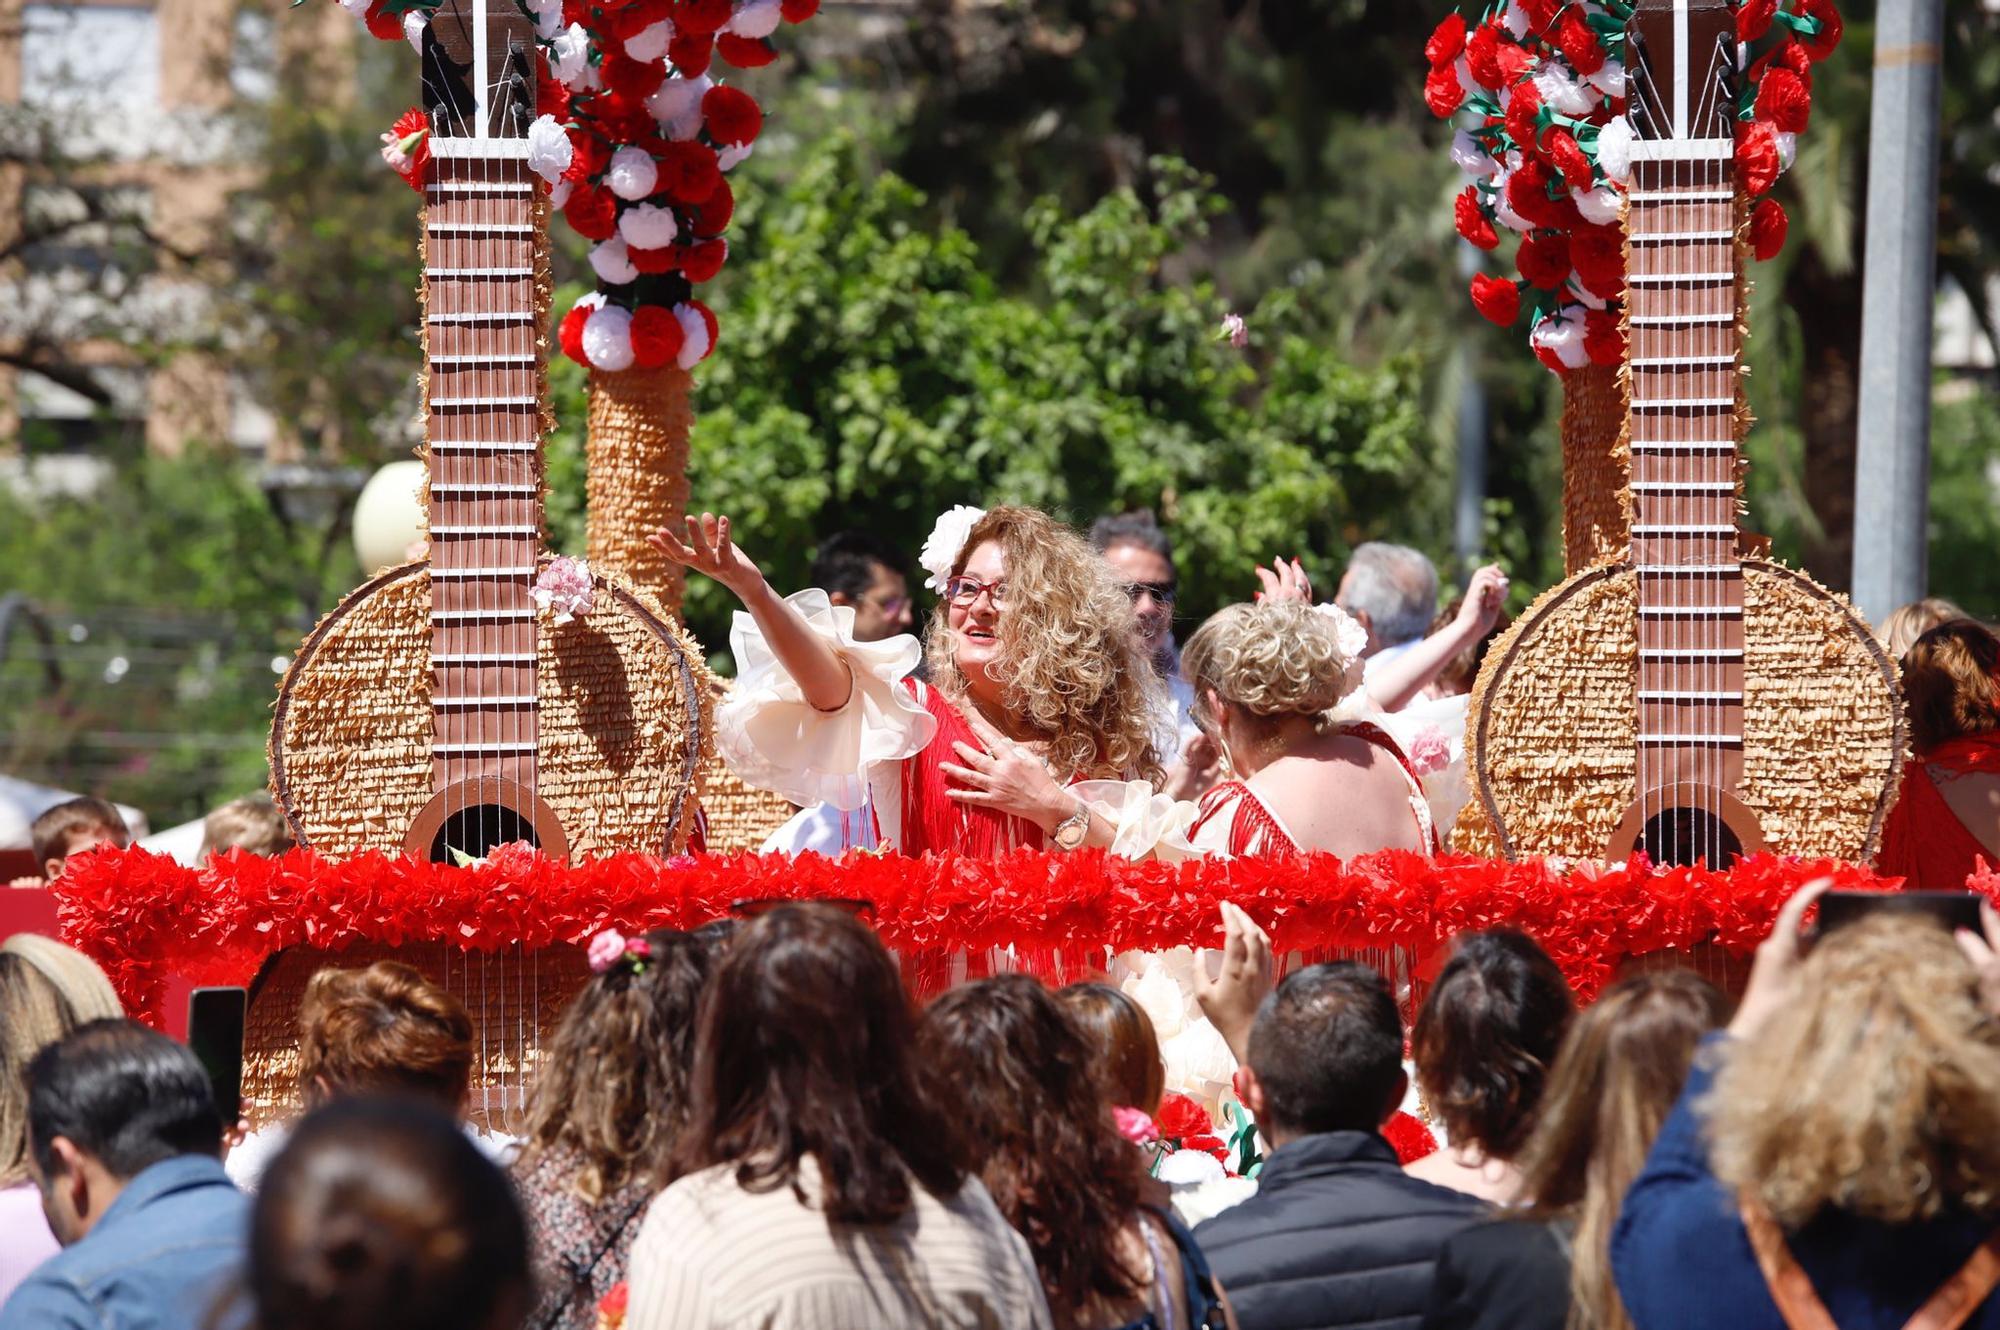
1143	557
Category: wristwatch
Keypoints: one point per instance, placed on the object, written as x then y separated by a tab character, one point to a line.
1070	833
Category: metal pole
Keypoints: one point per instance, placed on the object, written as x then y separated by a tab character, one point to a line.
1893	452
1469	507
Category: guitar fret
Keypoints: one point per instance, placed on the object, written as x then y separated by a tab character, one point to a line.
479	272
1681	196
1686	569
1667	320
469	488
1672	362
448	750
475	616
1688	695
485	316
1683	150
508	358
481	186
1690	445
522	570
514	700
461	147
1690	653
475	445
481	228
486	401
1668	486
1677	278
482	658
1683	529
1672	237
1697	739
489	529
1681	403
1690	611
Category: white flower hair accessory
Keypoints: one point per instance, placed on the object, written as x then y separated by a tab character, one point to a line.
947	541
1353	637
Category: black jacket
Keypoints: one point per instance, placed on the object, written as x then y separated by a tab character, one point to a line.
1509	1274
1337	1235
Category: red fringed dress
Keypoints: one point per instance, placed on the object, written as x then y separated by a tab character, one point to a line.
1235	822
1923	840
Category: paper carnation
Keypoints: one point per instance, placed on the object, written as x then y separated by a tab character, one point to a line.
564	588
946	541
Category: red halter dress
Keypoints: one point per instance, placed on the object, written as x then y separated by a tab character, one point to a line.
1254	831
933	821
1923	840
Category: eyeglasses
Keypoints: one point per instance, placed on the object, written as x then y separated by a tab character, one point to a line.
965	590
1161	592
891	605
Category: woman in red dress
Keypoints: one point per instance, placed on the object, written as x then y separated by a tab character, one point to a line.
1946	822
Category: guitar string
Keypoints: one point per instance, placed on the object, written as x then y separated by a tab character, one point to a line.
1716	428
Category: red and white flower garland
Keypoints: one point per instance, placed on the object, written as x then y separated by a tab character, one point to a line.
635	139
1549	154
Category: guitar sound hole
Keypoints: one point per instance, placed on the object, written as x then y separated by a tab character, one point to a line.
1685	836
479	830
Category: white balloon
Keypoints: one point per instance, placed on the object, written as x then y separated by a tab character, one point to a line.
389	515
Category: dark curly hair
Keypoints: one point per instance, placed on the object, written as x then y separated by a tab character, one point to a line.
1022	1083
1486	1037
614	1081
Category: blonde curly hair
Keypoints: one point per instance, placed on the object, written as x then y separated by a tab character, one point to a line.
1275	659
1071	666
1875	1090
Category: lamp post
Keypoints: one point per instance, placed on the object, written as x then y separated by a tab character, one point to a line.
311	503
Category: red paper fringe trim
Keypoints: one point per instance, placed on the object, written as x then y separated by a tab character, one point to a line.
144	917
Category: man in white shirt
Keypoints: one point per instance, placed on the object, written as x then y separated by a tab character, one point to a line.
1392	591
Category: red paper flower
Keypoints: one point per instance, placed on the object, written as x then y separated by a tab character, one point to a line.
1820	46
664	259
1756	157
1522	109
1442	92
745	52
1768	225
711	216
589	155
1528	194
1541	13
382	24
702	17
1543	259
1785	101
714	336
1753	19
1409	1138
656	336
702	260
1496	298
797	11
1447	40
592	213
1603	341
570	333
1471	219
1599	255
631	79
1181	1117
1482	54
691	52
551	97
1515	62
1564	151
731	114
1579	44
688	172
411	124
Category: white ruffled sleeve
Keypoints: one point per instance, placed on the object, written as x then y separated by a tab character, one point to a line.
776	740
1146	824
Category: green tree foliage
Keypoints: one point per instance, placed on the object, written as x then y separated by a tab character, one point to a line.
872	374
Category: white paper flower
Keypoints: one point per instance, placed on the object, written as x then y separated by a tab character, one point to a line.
1504	210
1614	149
947	540
358	8
694	336
1515	20
607	338
650	42
1562	334
565	588
1563	91
648	226
548	17
733	156
758	18
1190	1168
1469	157
1599	206
569	54
1347	629
414	24
559	193
611	263
1590	298
1788	149
632	174
1609	80
1466	83
676	104
549	149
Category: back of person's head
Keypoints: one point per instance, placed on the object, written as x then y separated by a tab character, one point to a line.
46	991
1327	1051
847	561
1126	1045
1020	1082
1907	623
1138	527
1395	586
1951	683
254	823
613	1088
121	1094
1486	1037
1617	1075
1874	1090
72	826
381	1215
1271	660
385	1030
807	1047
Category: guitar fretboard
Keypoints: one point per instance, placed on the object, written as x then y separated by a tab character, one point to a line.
482	429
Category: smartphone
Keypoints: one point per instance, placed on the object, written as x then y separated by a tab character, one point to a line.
215	1036
1951	909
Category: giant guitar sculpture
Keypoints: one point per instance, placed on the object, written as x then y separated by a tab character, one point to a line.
434	710
1693	701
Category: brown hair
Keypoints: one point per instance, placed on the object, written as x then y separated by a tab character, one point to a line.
1124	1041
1874	1091
383	1029
614	1082
254	823
807	1047
46	991
1071	665
1021	1082
1486	1036
1950	685
51	831
1620	1070
382	1215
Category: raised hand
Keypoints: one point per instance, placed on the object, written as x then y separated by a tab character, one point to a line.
1984	953
1284	580
1485	597
1230	1000
705	546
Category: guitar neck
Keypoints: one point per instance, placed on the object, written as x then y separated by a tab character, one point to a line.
483	436
1684	348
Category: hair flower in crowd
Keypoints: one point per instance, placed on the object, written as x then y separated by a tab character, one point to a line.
565	587
1353	637
610	948
1135	1125
1234	331
1430	751
946	542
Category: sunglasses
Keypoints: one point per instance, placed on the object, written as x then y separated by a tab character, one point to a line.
1161	592
965	590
